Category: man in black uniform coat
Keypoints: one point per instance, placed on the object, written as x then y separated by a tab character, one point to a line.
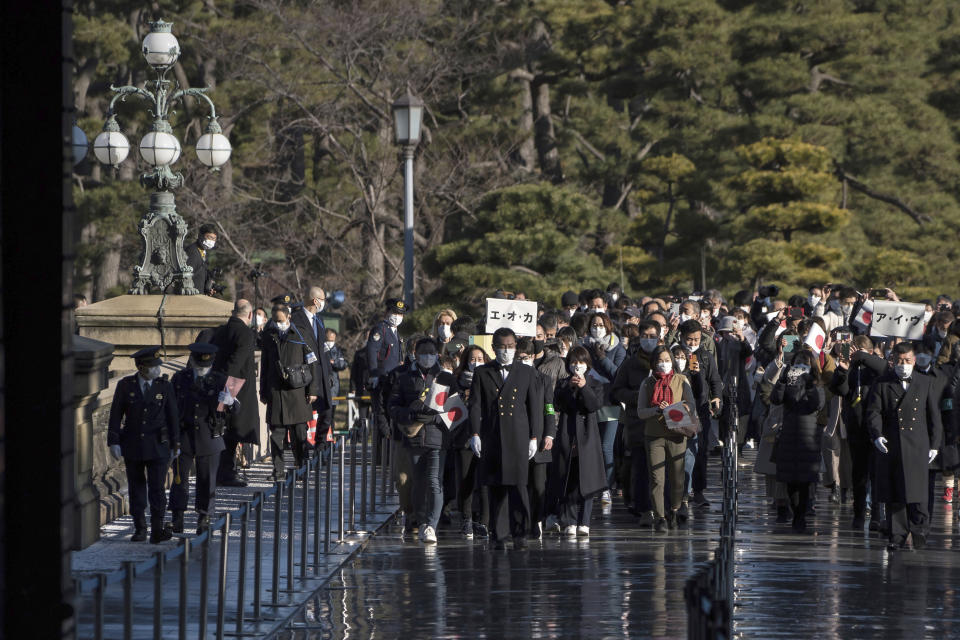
197	257
198	390
235	342
506	416
308	321
903	417
144	430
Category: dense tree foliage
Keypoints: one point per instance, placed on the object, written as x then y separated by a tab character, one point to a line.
670	144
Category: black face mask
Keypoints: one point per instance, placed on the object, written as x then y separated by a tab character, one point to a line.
538	346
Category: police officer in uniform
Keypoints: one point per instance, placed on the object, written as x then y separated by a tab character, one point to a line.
198	390
144	430
384	354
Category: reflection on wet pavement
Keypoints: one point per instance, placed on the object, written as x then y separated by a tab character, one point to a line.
627	582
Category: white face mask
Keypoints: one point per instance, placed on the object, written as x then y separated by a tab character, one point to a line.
924	359
443	331
151	373
329	345
527	361
648	344
941	332
926	316
283	326
578	369
716	312
320	304
260	320
684	317
705	319
903	370
426	360
693	347
598	333
614	296
847	309
664	367
663	333
813	300
202	371
505	356
681	364
597	310
394	319
473	365
208	244
564	350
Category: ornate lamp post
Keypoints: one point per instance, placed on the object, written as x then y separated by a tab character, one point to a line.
163	262
407	116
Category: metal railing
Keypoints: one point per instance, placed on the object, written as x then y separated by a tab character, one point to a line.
709	594
284	501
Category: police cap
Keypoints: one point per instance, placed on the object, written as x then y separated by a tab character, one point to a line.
283	298
202	352
147	357
396	305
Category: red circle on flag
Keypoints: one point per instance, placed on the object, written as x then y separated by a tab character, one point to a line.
819	341
867	317
455	414
440	399
676	415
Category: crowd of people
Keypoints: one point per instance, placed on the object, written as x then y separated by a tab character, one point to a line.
613	399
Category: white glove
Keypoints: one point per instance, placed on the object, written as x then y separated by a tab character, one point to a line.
226	399
373	382
173	454
532	449
933	454
881	444
475	445
115	450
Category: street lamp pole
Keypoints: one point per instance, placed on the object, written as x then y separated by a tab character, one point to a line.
163	260
408	115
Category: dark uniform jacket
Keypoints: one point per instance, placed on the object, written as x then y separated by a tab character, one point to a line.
201	425
149	424
406	407
910	421
235	357
384	350
201	278
322	371
506	414
285	406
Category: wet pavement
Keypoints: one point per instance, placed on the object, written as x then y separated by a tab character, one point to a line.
627	582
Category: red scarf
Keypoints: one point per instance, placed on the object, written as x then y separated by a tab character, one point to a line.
661	390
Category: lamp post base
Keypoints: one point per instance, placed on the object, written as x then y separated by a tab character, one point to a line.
163	263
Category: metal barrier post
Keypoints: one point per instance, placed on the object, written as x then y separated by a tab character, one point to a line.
242	566
204	585
258	555
385	476
353	480
98	607
374	462
158	597
316	514
128	599
327	505
184	568
305	519
291	532
340	496
275	583
363	471
222	586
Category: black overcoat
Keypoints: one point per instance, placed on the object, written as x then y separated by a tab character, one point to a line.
321	368
235	357
910	421
577	426
506	414
146	428
201	424
797	450
285	406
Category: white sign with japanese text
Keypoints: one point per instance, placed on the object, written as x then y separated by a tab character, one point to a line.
900	319
519	315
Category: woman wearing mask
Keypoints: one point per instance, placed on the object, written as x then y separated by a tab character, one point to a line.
607	354
473	501
442	330
567	337
288	406
681	358
797	451
577	470
665	448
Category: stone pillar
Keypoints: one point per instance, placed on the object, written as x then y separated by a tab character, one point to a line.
91	362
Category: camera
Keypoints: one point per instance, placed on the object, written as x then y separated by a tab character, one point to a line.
214	274
769	291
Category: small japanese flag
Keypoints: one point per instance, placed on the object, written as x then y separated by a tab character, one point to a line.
679	419
454	411
312	429
437	396
865	316
815	338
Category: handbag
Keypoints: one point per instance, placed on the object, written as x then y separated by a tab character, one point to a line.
296	376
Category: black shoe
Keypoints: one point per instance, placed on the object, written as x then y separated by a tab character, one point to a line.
139	535
672	520
858	523
177	525
874	524
699	500
896	543
716	451
234	481
160	534
783	514
519	543
499	545
835	495
480	530
660	524
203	524
919	540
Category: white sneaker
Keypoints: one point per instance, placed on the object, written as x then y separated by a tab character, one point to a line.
605	497
539	530
583	531
427	535
552	525
750	444
570	531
